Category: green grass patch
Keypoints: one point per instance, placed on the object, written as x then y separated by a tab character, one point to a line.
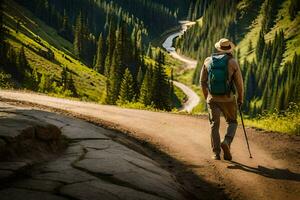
180	97
283	122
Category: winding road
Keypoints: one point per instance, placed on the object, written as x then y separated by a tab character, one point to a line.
193	98
273	173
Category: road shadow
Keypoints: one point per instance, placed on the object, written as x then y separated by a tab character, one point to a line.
192	187
276	173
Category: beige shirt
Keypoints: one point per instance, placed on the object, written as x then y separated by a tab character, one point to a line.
234	73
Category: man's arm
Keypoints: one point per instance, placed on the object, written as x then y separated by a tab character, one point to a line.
203	81
238	82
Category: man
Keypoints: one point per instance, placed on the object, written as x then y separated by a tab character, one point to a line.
218	75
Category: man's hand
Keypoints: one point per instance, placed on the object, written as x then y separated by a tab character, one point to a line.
240	102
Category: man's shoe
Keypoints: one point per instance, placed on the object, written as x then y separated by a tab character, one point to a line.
226	150
216	157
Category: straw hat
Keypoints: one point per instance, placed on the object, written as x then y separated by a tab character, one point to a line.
224	45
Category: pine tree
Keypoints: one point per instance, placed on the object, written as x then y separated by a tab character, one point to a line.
71	86
23	68
294	8
65	28
44	84
250	47
84	41
78	36
35	80
115	75
260	46
1	24
23	63
100	56
127	88
110	44
160	85
140	77
146	88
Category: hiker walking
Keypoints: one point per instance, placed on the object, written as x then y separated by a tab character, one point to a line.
219	74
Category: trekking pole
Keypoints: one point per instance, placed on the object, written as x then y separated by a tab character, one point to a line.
250	156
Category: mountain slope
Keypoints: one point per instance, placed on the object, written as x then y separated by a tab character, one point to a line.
39	40
282	22
267	35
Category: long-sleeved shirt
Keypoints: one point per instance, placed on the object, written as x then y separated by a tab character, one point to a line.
234	73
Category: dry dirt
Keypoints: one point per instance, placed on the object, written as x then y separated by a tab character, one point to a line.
182	144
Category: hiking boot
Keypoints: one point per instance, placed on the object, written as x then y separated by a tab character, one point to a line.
216	157
226	149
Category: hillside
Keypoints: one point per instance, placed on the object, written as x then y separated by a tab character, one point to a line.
267	35
61	48
39	42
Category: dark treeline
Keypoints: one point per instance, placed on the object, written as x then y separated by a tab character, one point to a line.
269	84
129	77
196	9
81	21
153	16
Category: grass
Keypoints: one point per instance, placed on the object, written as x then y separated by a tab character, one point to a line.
36	35
285	122
180	97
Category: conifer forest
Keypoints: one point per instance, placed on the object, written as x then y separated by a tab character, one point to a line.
105	50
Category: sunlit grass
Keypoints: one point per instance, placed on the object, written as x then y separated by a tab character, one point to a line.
34	35
284	122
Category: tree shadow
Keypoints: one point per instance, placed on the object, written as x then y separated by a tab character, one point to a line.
276	173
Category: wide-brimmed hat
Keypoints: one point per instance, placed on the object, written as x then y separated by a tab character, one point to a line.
224	45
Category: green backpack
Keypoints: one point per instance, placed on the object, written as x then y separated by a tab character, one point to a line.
218	83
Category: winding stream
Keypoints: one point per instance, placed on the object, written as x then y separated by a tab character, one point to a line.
193	98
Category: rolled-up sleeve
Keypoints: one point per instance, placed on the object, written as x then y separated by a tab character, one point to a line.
204	77
238	80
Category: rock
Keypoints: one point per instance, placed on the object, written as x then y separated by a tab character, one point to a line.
41	185
18	127
75	149
97	144
4	174
99	190
11	129
138	173
67	176
13	166
20	194
92	167
76	132
48	132
2	145
62	163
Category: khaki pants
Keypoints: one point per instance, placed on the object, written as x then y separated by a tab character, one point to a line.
229	110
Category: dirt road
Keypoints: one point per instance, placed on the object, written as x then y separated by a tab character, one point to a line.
193	98
168	45
273	173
